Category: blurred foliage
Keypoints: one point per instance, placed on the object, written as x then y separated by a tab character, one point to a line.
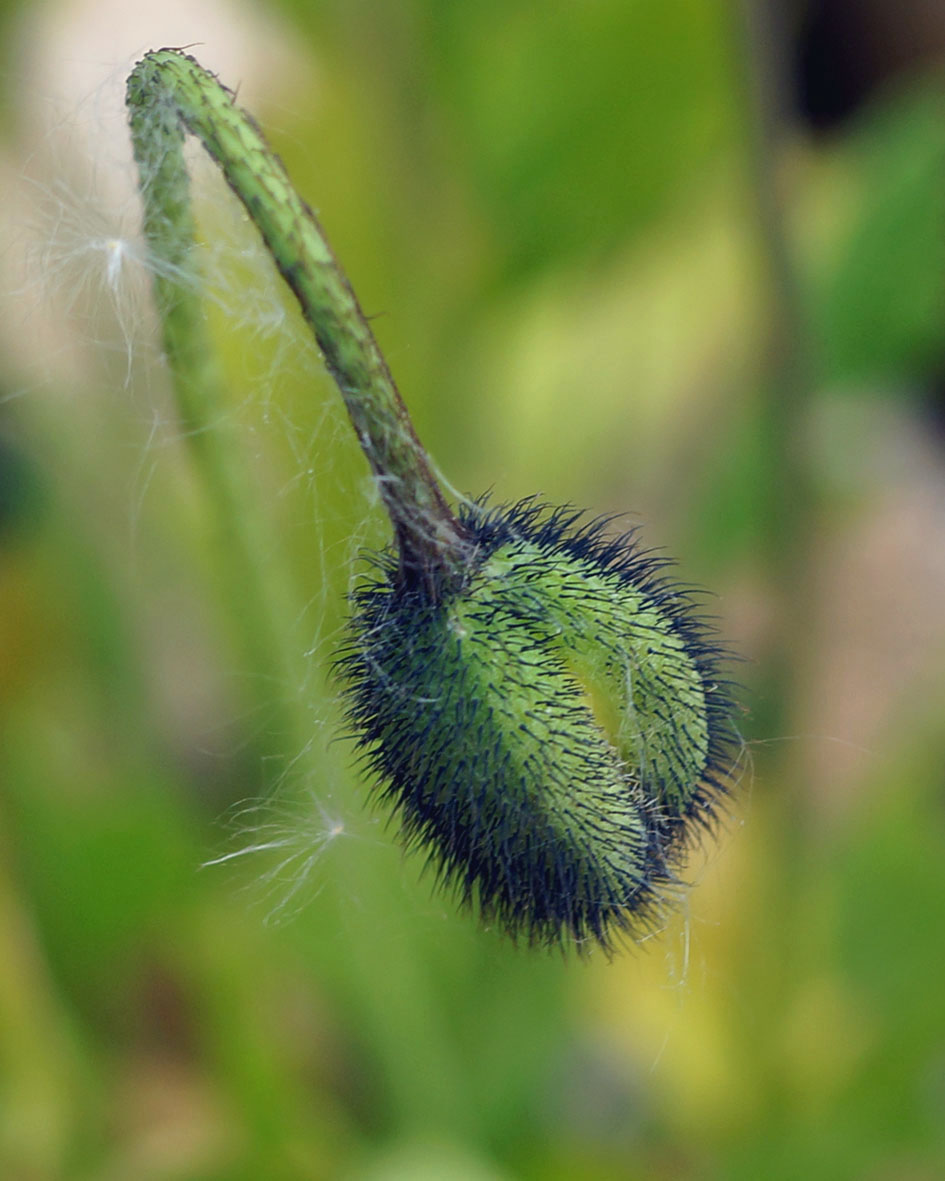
877	302
553	208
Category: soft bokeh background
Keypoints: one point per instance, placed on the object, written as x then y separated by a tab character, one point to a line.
683	260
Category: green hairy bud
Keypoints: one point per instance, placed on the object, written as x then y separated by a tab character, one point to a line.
550	729
541	707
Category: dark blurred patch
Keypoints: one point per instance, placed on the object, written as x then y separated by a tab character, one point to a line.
847	49
19	489
935	402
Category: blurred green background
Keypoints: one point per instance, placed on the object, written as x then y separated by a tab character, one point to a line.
681	260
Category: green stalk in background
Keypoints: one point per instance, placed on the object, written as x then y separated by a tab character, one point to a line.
543	709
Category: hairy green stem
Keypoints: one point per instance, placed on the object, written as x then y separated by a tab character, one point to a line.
168	94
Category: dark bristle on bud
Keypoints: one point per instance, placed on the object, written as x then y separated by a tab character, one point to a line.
552	729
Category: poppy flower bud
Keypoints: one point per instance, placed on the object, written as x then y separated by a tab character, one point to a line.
549	728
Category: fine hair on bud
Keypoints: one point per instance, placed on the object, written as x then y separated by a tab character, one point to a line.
551	726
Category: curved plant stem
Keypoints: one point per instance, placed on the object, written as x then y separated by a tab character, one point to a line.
169	93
